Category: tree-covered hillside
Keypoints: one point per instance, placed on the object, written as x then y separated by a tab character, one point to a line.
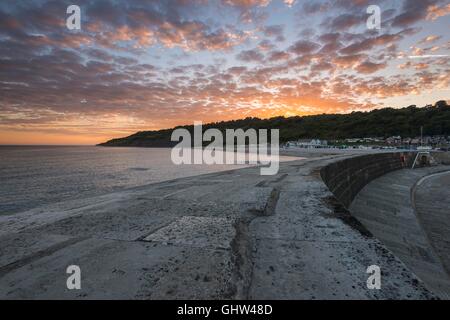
405	122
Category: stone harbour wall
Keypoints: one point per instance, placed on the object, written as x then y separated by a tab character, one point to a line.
347	177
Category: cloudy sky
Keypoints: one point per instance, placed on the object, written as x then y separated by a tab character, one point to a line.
143	65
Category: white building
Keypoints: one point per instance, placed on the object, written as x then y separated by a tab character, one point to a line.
308	143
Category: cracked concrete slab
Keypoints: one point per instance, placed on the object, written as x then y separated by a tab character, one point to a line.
127	270
328	270
199	232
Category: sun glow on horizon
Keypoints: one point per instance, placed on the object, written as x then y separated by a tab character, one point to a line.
125	71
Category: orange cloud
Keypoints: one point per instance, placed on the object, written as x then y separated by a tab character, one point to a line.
434	12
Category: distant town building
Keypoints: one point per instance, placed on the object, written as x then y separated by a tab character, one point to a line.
353	140
438	142
308	143
394	140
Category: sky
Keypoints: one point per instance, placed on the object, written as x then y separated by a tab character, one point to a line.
148	65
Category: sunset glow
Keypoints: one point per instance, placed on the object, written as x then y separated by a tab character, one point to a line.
146	65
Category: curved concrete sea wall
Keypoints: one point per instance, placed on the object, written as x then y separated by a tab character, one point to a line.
442	157
379	196
347	177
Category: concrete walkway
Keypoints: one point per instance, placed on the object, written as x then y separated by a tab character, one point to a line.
432	203
386	206
228	235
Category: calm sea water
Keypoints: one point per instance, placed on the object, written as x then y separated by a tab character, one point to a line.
34	176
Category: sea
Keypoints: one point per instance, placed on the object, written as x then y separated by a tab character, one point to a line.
32	176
